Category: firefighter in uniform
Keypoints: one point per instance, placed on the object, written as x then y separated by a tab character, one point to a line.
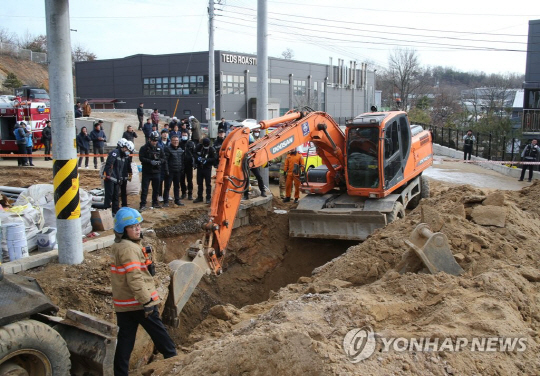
205	157
530	154
134	293
114	174
128	173
151	157
291	171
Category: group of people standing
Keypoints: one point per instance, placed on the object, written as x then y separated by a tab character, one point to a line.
168	160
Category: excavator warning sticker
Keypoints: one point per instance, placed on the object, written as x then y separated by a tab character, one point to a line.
238	158
305	128
282	145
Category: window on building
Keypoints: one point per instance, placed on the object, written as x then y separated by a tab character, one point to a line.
232	84
299	87
175	86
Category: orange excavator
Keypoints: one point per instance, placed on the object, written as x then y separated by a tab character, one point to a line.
371	173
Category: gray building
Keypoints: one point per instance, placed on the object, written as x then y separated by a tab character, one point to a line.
177	84
531	86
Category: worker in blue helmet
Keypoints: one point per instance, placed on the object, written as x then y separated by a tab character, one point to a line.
134	291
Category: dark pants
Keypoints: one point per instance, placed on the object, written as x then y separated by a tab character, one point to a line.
98	150
83	151
141	117
111	195
204	177
123	193
21	161
186	180
29	151
128	322
47	144
525	167
174	180
257	172
467	150
145	183
162	184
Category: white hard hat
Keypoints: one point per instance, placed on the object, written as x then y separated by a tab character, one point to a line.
175	118
191	117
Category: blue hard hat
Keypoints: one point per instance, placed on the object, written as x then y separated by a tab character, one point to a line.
126	217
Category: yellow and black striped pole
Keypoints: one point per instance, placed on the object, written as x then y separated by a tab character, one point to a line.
65	175
66	189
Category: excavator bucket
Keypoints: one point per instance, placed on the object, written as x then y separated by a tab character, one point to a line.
311	219
431	250
186	274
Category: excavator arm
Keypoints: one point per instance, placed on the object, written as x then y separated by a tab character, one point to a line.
237	156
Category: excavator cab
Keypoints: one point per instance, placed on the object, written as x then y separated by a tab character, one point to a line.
363	157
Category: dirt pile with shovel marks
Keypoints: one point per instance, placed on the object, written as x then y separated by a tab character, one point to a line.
301	328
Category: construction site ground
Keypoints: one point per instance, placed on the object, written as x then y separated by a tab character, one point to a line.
284	305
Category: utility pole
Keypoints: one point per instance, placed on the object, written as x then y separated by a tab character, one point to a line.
212	126
262	60
262	69
65	174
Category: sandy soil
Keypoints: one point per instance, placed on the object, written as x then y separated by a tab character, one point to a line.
283	306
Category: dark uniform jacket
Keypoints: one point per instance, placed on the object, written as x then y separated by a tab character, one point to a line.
530	153
205	158
147	154
46	134
115	166
189	153
217	144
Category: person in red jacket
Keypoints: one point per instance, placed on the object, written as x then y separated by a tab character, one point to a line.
134	292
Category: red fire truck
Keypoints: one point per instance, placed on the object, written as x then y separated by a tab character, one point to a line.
31	105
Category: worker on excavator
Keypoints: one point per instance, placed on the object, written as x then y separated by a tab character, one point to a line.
291	170
134	292
256	170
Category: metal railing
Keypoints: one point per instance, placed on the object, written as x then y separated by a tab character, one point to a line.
14	50
491	146
530	121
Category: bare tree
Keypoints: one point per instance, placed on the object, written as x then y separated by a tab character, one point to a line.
7	36
288	54
446	106
406	75
79	53
32	42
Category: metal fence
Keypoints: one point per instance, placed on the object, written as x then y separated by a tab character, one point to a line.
531	121
491	146
14	50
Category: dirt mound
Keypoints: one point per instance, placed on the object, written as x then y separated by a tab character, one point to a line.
301	328
30	73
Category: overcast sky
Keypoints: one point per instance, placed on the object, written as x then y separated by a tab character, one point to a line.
478	35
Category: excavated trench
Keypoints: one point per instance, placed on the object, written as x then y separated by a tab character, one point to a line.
260	258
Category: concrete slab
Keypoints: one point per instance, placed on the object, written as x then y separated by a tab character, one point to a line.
43	258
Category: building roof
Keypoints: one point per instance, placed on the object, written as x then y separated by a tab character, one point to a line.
102	100
518	99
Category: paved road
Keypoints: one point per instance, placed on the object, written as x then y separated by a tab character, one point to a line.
454	171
